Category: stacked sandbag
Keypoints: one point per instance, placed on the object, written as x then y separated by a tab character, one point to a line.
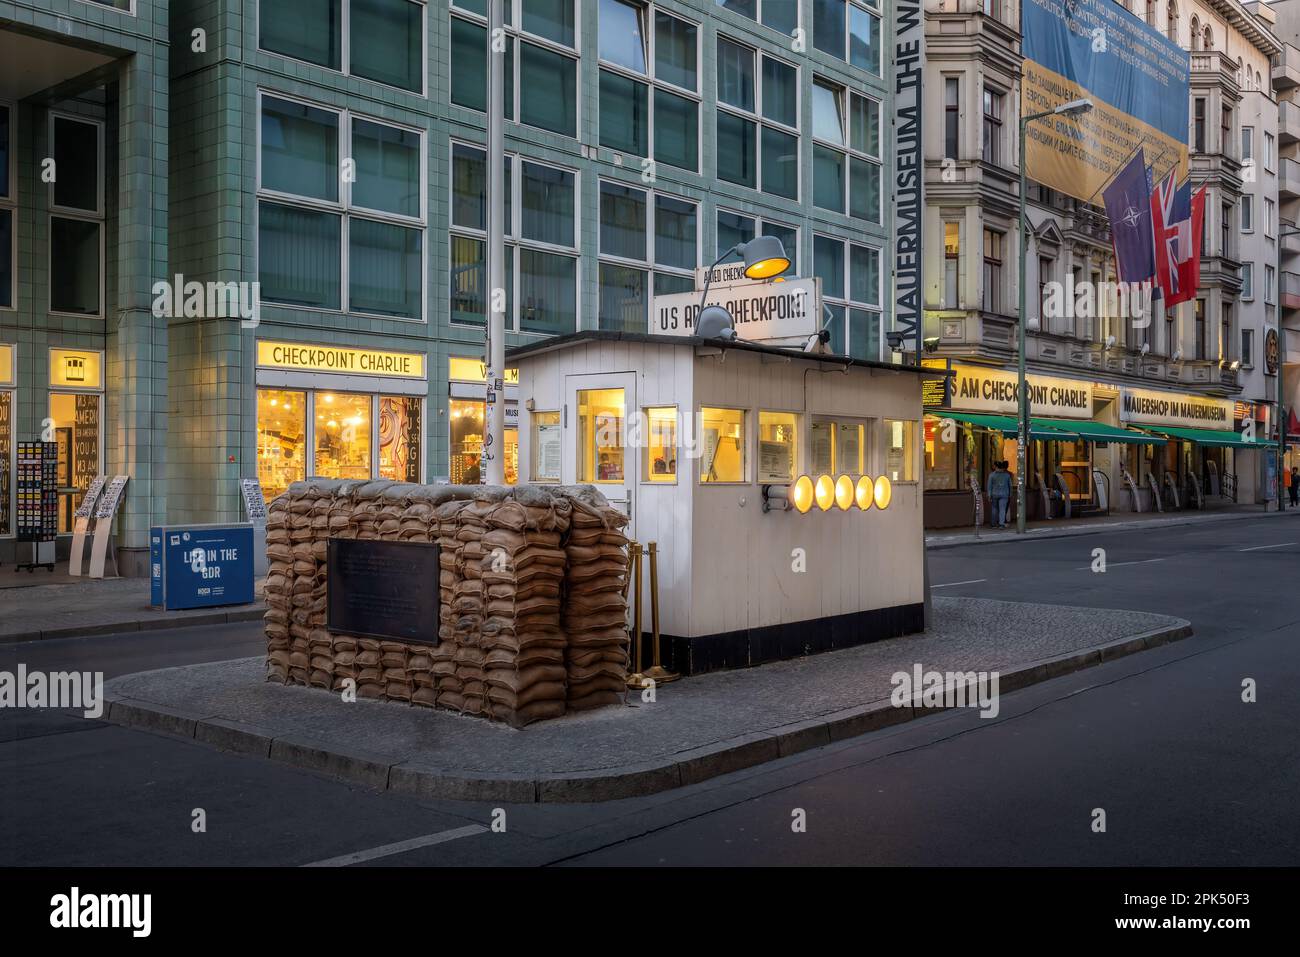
595	609
277	590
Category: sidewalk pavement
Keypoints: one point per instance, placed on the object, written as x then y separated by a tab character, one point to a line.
1115	522
99	607
697	728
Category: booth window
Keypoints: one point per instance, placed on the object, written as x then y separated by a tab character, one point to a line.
76	431
724	445
941	457
900	450
838	446
465	459
601	435
399	438
281	439
661	443
547	435
777	446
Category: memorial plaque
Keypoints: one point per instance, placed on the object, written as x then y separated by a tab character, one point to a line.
383	589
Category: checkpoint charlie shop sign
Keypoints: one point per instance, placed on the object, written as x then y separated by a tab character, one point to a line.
977	389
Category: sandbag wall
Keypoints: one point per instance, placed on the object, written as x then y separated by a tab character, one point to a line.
532	589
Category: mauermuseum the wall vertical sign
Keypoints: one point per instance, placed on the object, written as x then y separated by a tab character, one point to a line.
909	53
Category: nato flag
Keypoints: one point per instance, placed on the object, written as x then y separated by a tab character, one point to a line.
1128	206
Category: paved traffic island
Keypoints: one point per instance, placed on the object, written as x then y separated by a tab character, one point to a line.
695	729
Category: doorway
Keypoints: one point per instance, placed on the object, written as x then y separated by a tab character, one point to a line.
597	450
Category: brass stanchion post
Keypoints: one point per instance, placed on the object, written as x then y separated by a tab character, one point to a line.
657	672
636	679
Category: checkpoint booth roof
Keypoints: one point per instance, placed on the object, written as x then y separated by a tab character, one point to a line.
706	445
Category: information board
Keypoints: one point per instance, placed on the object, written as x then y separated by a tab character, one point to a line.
383	589
201	566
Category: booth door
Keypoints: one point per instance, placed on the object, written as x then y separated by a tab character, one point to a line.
597	449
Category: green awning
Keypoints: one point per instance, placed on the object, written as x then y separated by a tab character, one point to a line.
1223	440
1100	432
1006	424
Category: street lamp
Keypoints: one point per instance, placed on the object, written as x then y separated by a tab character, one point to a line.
1073	108
765	258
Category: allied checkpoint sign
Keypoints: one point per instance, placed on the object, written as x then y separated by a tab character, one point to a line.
1135	76
761	311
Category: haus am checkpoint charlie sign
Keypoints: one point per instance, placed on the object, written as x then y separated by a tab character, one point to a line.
760	310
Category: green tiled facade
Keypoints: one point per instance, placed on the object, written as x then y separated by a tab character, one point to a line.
181	409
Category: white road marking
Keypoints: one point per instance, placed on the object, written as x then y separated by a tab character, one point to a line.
385	850
973	581
1144	561
1256	548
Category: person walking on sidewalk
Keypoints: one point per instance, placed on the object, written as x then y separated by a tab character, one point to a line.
999	489
1293	483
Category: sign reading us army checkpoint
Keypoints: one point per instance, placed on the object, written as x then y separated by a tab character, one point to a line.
759	310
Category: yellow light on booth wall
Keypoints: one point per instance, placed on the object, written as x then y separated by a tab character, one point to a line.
801	494
844	492
884	492
866	492
825	492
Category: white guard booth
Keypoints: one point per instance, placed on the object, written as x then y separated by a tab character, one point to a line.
693	437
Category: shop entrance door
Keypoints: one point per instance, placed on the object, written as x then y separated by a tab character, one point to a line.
599	446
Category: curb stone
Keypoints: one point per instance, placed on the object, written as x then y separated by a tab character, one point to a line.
134	625
385	772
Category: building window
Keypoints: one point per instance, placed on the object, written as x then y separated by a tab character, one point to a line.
1201	351
735	228
951	117
1247	213
1270	220
849	31
1248	347
1270	151
1171	26
781	15
846	134
645	238
541	65
8	250
951	265
1225	232
1225	341
777	447
385	38
1247	280
1247	143
851	296
76	199
1270	284
315	226
723	454
757	120
992	146
1225	131
992	292
661	445
541	253
1198	126
644	75
900	450
1044	277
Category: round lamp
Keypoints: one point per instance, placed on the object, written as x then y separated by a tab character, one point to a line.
844	493
866	492
714	322
765	257
825	492
801	494
884	492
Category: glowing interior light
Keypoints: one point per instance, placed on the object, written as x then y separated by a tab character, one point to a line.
801	494
825	492
844	492
884	492
866	492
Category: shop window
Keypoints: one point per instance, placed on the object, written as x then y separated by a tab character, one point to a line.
465	462
838	447
281	439
342	429
777	446
547	445
900	450
76	424
661	444
399	438
723	445
601	436
941	456
6	462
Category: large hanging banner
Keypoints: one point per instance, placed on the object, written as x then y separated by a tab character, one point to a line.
1136	78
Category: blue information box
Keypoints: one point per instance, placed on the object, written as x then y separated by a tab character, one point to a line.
201	566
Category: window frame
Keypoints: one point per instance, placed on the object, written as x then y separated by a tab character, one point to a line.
759	120
797	455
53	211
345	47
758	18
872	9
844	103
514	238
127	11
759	223
745	439
1247	214
515	34
992	151
649	11
343	207
847	302
100	170
9	202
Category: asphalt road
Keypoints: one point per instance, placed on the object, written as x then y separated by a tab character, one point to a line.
1184	770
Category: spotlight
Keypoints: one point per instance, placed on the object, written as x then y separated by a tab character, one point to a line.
825	492
884	492
865	492
844	493
801	494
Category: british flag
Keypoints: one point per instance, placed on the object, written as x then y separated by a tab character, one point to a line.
1176	217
